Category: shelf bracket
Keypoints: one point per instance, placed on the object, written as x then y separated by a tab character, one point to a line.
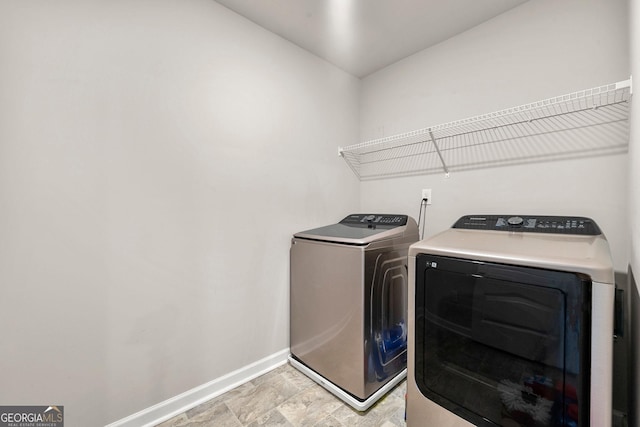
435	144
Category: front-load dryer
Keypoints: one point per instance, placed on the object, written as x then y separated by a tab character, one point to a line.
348	305
511	324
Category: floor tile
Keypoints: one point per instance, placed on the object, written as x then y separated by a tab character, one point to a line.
218	415
309	407
272	418
286	397
259	401
329	421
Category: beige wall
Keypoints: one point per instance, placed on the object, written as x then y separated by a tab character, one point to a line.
155	158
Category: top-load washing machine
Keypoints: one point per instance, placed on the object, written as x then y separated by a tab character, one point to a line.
511	324
348	305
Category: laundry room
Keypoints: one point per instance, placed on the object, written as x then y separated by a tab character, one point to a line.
159	156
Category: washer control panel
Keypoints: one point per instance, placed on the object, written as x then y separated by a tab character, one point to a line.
530	223
375	219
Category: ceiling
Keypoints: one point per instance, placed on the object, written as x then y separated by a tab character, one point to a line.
363	36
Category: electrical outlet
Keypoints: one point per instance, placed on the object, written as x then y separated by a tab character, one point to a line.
426	194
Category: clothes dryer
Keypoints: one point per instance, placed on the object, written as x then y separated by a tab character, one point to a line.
511	324
348	305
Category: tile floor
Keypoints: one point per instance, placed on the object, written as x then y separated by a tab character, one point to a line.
286	397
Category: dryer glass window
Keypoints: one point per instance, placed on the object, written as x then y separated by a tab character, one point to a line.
503	345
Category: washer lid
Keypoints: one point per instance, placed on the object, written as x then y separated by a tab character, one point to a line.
359	229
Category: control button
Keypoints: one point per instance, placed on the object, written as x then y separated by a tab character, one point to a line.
368	218
515	221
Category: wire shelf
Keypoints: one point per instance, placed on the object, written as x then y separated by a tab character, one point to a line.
590	122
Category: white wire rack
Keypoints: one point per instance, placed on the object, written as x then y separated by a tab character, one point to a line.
590	122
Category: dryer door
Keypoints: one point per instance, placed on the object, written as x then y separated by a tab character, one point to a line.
503	345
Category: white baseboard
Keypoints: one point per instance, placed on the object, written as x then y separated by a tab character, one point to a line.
191	398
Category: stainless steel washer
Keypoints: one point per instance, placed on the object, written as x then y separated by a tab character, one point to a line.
349	305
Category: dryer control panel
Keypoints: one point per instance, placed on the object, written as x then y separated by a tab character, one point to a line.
530	223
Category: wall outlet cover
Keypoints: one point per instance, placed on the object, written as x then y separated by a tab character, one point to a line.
426	194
